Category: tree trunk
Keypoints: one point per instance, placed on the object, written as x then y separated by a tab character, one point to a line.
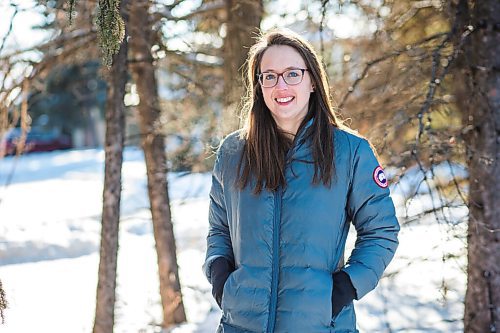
153	144
115	133
482	123
243	22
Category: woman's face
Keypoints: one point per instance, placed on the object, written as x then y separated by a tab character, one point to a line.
288	103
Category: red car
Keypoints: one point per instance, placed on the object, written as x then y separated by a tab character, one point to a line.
36	140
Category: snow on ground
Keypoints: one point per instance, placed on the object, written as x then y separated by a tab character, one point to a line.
49	241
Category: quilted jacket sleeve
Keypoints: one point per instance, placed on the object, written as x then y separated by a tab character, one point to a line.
218	239
372	213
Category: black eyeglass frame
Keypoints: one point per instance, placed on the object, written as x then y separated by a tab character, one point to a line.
259	77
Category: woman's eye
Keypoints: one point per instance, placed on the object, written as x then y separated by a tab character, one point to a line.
269	77
293	74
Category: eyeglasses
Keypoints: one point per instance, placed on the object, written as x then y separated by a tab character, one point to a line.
291	77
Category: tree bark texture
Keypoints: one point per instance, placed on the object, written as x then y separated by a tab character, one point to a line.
153	144
114	139
482	128
243	22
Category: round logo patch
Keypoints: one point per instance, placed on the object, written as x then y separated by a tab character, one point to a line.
379	177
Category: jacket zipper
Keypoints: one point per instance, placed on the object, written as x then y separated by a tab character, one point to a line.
276	235
275	275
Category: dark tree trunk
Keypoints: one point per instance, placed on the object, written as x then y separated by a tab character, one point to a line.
115	133
482	123
153	144
243	22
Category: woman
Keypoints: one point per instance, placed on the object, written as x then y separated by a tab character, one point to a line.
284	190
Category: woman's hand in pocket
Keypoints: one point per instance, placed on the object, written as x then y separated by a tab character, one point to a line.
220	270
343	292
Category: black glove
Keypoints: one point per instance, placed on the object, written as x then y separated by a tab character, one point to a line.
220	270
343	292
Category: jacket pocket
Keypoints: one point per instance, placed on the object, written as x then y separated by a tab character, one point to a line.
227	292
344	321
228	328
224	292
337	316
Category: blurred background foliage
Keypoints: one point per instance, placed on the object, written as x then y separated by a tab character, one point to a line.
390	65
379	56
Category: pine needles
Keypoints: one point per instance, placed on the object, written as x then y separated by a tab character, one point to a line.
110	27
3	302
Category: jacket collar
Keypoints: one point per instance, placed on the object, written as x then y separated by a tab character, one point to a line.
300	138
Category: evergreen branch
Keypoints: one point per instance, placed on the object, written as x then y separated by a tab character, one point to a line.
3	302
110	29
71	10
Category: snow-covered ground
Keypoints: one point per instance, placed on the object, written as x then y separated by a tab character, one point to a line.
49	239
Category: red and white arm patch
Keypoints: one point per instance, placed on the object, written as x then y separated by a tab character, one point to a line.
379	177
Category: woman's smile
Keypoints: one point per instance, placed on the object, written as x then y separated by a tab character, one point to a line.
283	101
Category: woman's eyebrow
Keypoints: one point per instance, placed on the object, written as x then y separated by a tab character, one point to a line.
275	71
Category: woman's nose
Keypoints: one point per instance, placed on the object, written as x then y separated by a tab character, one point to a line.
281	83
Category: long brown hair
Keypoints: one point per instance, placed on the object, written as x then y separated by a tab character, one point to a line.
266	145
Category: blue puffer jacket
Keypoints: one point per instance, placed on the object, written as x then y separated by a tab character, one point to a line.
287	244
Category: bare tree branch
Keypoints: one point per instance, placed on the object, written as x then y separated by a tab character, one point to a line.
203	9
383	58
